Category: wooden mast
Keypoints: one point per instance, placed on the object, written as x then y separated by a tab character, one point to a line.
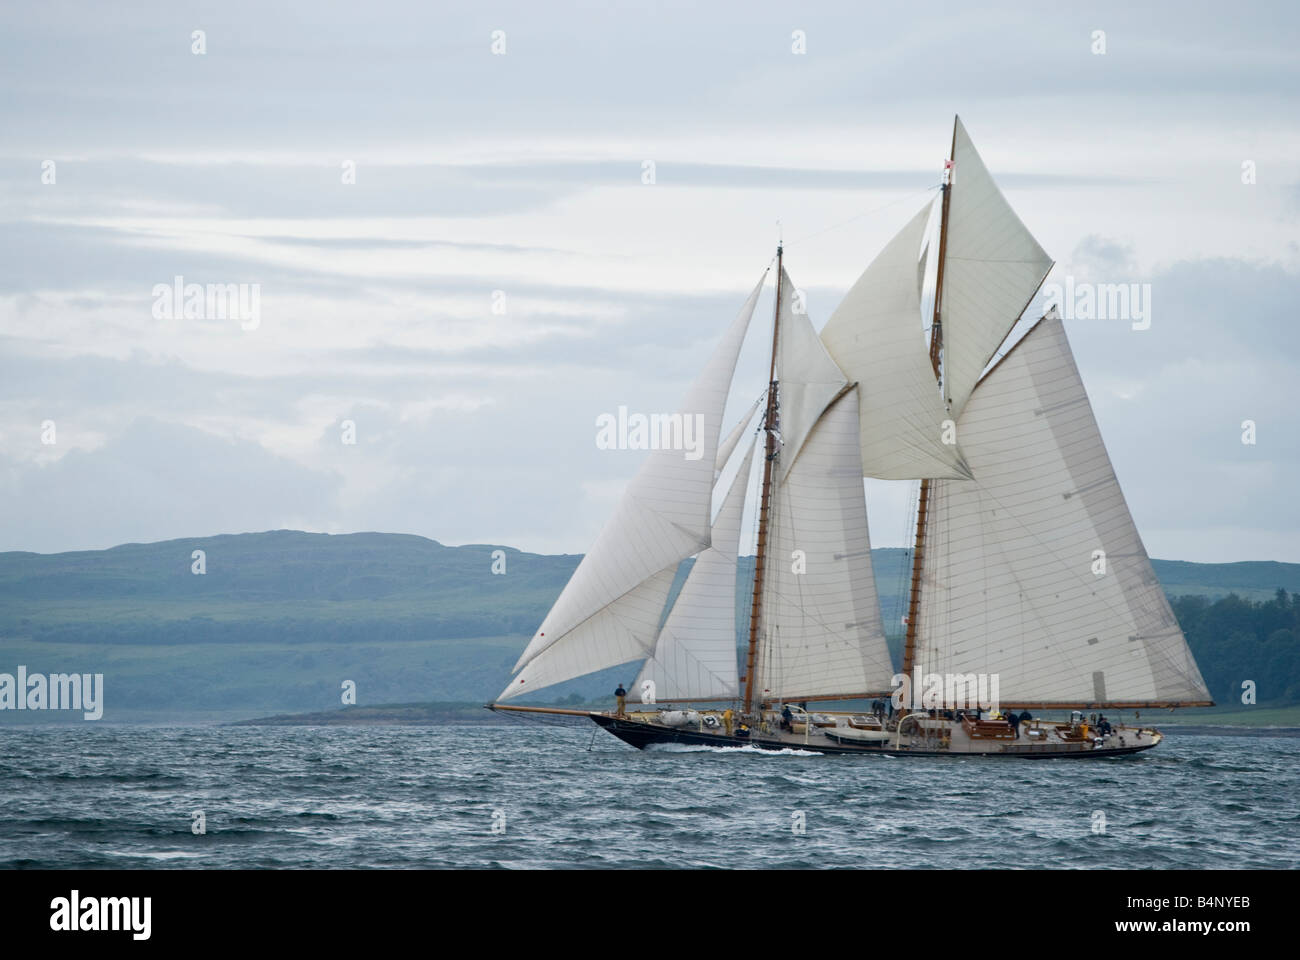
770	427
936	347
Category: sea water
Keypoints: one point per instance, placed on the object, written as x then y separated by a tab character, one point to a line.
537	795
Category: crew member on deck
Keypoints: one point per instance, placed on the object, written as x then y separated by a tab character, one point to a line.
620	697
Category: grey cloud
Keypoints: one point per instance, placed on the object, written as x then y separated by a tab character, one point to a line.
1102	256
515	468
343	77
116	185
124	185
1171	399
100	86
150	481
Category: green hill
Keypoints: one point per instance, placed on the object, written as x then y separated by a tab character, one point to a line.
280	619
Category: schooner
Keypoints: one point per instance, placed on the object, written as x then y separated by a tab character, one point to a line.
1030	586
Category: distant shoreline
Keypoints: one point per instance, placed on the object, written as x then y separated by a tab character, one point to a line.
395	714
1227	730
439	714
1265	721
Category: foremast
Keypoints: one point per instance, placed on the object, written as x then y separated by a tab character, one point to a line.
770	426
936	350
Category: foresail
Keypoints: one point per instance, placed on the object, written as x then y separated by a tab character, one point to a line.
1034	571
822	633
993	266
620	632
695	656
809	378
665	511
875	337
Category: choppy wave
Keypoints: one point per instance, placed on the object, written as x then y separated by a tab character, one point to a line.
747	748
523	796
156	854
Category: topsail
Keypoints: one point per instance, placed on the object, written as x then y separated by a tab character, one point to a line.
993	266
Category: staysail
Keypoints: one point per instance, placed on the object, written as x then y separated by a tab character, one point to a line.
663	517
821	630
809	378
620	632
1034	570
875	337
993	266
695	652
728	446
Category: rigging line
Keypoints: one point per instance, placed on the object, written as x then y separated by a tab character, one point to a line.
867	213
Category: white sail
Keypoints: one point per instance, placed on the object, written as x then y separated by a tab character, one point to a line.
620	632
728	446
1015	582
992	268
821	629
808	376
695	655
664	514
923	264
876	338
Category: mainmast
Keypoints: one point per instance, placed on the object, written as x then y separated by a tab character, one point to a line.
936	349
770	427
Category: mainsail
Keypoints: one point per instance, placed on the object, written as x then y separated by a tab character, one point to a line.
695	652
875	337
1034	570
992	267
663	517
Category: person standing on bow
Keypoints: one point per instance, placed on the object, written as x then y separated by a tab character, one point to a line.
620	698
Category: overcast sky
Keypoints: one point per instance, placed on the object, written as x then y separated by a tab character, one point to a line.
521	172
